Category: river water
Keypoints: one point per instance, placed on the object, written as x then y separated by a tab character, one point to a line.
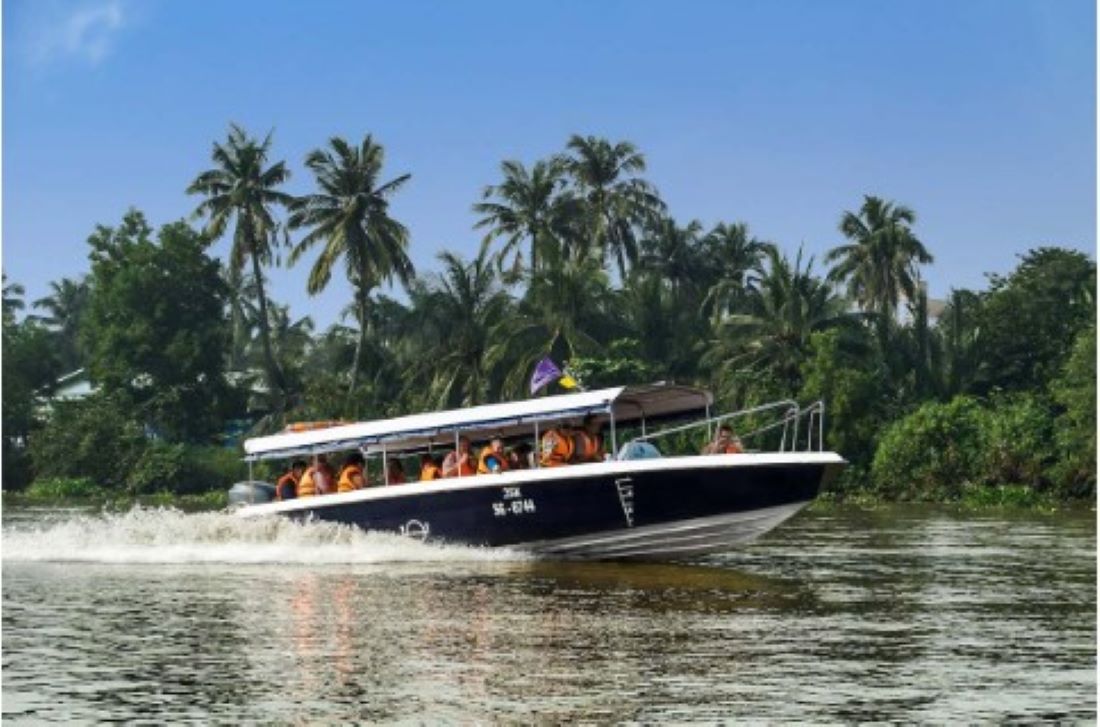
898	614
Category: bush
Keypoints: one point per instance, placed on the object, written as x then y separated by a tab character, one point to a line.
61	488
1018	442
93	438
185	470
932	453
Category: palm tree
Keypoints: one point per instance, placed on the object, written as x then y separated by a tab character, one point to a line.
243	188
66	306
674	254
13	300
736	261
563	314
351	215
243	315
457	315
772	340
880	263
527	205
615	202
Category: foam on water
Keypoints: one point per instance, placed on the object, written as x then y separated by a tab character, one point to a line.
166	535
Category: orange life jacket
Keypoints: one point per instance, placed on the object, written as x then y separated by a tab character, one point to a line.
316	480
287	483
347	481
483	467
310	426
465	469
587	447
430	472
557	448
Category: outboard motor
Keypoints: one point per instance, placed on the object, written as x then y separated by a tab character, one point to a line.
251	492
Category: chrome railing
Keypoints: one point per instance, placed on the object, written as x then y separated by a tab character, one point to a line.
789	414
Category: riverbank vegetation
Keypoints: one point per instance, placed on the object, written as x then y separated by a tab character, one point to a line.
989	392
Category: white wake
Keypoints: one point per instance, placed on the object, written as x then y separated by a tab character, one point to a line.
166	535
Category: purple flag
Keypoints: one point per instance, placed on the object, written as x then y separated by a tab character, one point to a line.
546	372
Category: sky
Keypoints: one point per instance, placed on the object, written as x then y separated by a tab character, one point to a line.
978	114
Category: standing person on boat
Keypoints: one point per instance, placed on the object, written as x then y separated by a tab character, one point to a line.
725	442
492	458
429	468
352	476
557	447
459	463
317	479
286	488
588	442
395	474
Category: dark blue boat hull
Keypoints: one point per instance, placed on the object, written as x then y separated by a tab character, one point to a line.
635	514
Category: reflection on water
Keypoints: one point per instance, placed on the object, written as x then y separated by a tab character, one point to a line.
899	614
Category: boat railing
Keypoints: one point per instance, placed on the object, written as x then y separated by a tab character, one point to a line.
789	418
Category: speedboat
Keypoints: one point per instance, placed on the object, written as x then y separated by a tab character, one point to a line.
649	499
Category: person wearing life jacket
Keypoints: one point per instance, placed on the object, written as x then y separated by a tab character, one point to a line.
492	458
587	442
395	474
317	479
286	488
725	442
429	468
352	477
459	463
557	447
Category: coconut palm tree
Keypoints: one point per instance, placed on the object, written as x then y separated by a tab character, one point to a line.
615	202
350	215
527	205
242	188
880	263
65	306
13	300
674	254
457	314
736	261
772	340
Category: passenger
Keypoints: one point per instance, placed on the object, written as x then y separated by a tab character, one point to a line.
557	447
352	477
519	457
459	463
429	468
492	459
286	488
395	475
317	479
725	442
587	442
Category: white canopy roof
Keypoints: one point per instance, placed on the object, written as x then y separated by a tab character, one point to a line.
508	419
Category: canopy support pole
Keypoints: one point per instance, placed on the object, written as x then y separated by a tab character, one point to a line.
457	455
385	468
614	445
250	479
536	451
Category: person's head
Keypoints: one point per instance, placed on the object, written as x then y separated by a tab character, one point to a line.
394	465
591	424
320	459
354	459
426	459
298	466
463	444
724	433
496	445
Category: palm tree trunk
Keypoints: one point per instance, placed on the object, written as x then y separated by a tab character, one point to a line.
274	374
359	344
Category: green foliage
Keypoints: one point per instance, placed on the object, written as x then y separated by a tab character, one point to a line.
1018	441
155	328
1075	391
64	488
184	470
1030	319
95	438
621	364
932	453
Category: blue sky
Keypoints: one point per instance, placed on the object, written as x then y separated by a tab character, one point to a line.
980	115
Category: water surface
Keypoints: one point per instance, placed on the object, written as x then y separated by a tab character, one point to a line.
894	614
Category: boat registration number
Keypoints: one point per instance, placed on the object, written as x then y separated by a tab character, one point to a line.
512	502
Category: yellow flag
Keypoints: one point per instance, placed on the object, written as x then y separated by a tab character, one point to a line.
567	382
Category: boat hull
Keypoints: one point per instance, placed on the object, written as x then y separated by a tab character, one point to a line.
663	509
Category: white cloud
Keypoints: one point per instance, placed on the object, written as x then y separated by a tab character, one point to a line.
83	31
